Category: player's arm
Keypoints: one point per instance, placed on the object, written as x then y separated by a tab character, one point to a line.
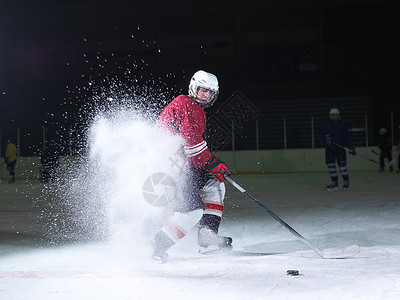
324	136
167	119
200	157
348	140
195	147
197	152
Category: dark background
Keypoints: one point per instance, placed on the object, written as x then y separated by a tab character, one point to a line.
289	59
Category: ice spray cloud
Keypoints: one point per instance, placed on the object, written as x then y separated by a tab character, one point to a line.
122	188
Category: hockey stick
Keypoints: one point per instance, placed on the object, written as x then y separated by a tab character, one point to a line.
377	153
346	252
390	163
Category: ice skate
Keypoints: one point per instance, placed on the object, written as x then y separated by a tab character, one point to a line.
345	185
160	255
210	242
161	244
333	186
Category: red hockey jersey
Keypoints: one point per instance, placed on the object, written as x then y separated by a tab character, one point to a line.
185	117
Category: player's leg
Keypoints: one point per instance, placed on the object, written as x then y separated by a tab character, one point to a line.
389	156
188	211
398	164
342	162
11	169
330	160
173	230
382	161
213	198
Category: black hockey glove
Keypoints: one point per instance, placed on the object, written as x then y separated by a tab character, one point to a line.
328	140
352	150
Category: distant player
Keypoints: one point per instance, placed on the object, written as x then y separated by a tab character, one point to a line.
203	197
398	150
335	131
10	159
385	145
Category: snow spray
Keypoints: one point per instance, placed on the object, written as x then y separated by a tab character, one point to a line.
121	188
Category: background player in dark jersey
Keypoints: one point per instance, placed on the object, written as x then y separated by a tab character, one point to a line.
335	131
205	191
385	145
398	149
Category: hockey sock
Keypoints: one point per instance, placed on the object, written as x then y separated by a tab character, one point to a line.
162	242
344	172
332	172
210	221
179	224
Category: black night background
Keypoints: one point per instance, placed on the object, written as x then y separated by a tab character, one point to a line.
291	61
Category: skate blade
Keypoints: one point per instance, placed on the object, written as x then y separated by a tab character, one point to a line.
160	259
215	249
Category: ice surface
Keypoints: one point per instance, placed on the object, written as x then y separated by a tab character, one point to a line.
367	214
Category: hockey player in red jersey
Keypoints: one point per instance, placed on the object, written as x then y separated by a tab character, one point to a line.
202	200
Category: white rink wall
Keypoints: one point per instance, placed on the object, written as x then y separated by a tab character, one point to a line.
251	161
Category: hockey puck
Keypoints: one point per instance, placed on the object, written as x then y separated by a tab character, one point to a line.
292	272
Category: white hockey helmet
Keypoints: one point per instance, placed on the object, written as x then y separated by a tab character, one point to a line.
334	115
382	131
207	81
334	111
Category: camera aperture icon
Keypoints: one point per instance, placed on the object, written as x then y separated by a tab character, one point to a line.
159	190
